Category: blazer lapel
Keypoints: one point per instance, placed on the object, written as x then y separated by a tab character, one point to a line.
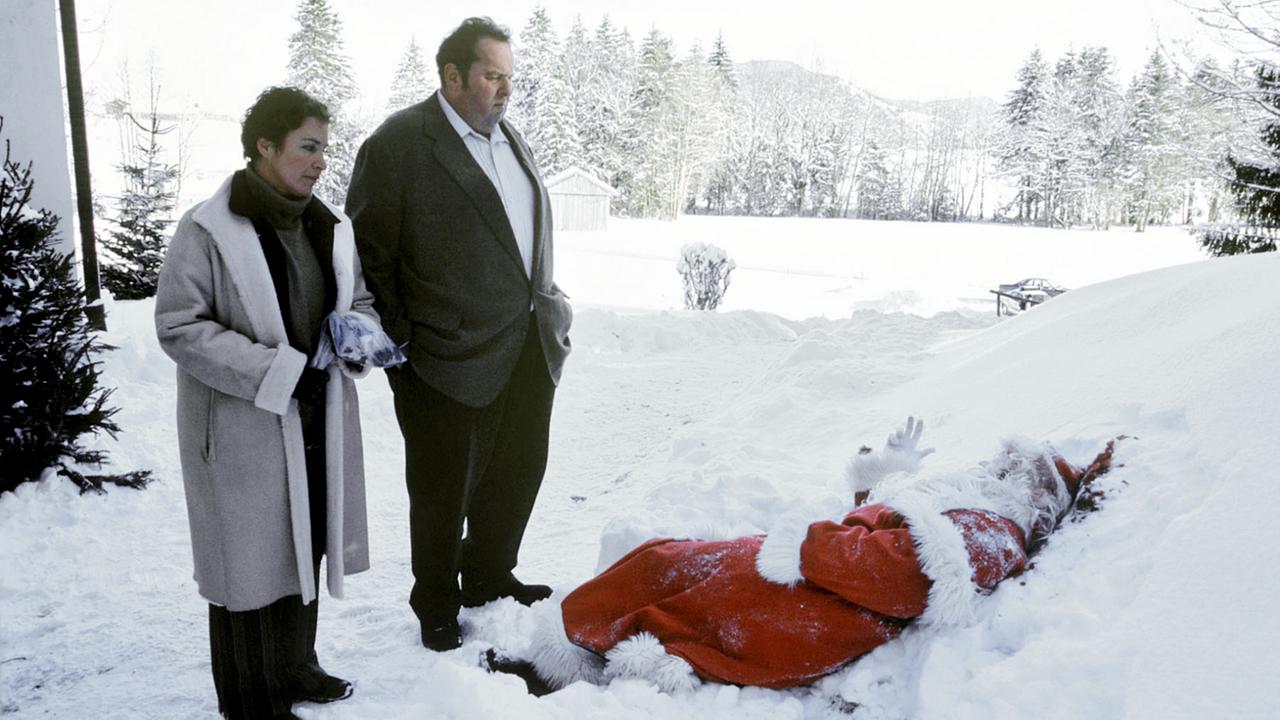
453	154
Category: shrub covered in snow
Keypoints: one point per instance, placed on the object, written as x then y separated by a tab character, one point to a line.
49	394
705	270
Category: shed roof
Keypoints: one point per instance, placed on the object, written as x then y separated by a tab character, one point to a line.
577	173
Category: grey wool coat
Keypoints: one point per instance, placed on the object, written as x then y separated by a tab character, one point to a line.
239	432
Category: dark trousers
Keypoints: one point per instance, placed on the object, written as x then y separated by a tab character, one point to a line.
258	653
482	465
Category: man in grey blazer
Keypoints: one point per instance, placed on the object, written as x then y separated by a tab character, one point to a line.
453	226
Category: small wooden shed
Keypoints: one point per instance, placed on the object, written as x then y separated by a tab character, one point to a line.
579	201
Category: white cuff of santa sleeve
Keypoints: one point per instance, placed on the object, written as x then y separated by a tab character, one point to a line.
944	559
864	472
778	560
556	659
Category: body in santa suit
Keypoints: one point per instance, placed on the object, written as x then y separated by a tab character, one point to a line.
786	608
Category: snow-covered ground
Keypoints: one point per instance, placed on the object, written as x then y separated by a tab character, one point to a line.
1159	606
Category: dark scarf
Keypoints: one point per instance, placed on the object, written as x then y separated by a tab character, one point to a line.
317	224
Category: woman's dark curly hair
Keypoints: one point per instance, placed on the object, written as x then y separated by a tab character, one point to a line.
276	112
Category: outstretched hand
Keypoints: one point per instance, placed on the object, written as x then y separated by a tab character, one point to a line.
902	454
907	441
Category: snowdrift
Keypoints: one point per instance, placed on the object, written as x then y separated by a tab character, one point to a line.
1153	608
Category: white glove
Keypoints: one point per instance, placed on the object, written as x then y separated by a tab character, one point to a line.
901	454
907	440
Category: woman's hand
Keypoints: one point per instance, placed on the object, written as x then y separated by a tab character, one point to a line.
310	387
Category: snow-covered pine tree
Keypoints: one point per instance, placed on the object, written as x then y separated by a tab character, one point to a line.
873	184
1059	133
691	130
1019	155
537	56
721	175
720	61
608	130
318	64
1100	116
1256	186
136	243
414	80
49	393
558	127
647	192
565	103
828	164
1151	145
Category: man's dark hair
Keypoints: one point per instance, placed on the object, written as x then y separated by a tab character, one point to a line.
277	112
460	47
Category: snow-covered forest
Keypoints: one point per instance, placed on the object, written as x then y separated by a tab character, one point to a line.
692	131
689	129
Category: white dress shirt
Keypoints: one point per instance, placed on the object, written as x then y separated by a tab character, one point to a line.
497	159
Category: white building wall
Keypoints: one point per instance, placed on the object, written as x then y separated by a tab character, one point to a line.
579	212
31	102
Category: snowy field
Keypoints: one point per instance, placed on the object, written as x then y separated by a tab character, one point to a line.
670	422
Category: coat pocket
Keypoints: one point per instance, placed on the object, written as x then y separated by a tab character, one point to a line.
209	452
556	313
441	322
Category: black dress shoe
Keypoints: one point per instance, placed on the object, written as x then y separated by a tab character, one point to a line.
447	636
477	594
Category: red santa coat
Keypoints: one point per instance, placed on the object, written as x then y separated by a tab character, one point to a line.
860	583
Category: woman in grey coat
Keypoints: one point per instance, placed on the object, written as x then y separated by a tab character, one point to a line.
270	446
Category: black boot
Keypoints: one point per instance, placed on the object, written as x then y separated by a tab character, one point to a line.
443	637
312	684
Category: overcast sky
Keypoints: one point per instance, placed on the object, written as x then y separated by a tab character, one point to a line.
218	54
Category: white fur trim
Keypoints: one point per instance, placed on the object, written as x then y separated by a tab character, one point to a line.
555	659
865	471
712	532
276	388
642	657
943	557
778	560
